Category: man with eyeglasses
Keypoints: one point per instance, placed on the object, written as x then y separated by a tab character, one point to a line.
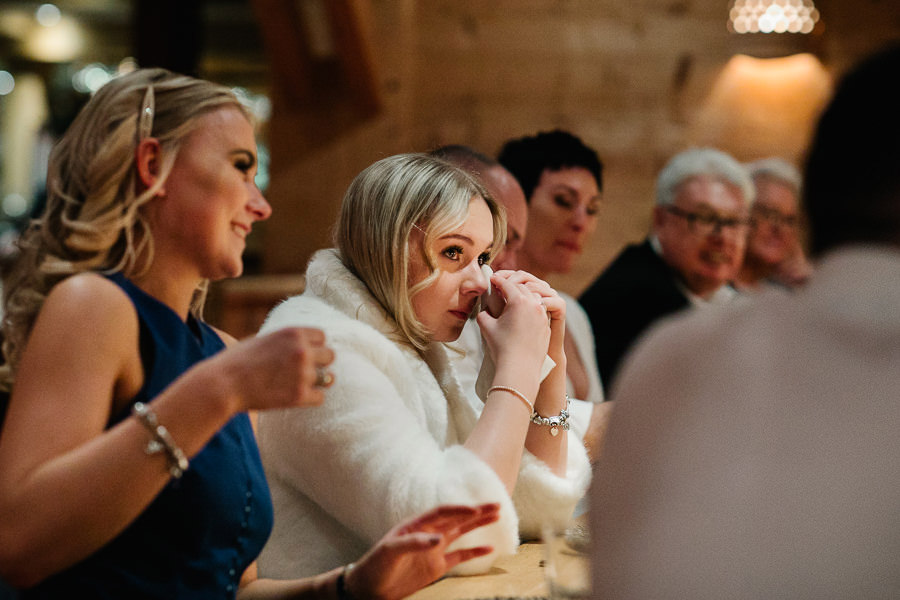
774	252
694	251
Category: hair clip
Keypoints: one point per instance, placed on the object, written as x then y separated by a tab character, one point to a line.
145	118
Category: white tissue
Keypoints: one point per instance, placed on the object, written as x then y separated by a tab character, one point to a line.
547	366
487	271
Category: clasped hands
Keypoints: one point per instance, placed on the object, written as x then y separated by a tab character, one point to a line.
517	310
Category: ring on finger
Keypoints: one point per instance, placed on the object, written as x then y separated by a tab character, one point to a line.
324	377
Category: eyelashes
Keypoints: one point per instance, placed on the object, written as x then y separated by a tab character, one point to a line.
243	160
455	253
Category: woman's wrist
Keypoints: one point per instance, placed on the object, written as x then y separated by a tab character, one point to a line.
222	385
525	381
557	345
551	397
522	366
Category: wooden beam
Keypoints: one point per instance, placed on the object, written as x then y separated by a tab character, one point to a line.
285	41
352	25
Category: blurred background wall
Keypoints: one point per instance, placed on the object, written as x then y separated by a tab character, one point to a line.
338	84
638	81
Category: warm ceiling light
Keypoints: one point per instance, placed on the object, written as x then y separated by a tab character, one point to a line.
772	16
763	106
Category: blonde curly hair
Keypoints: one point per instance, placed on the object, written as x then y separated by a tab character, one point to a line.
92	220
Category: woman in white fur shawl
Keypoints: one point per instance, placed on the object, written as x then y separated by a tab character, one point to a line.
396	434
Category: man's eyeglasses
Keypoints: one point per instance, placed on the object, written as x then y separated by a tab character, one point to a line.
773	216
708	223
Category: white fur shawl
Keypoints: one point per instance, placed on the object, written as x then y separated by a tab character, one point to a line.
386	443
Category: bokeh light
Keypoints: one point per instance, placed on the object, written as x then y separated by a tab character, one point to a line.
772	16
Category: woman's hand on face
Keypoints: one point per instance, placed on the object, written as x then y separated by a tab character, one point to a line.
282	369
556	306
522	326
414	554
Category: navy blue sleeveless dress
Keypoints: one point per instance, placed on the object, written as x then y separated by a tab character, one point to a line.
203	530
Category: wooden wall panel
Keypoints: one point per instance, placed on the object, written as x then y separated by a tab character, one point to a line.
630	78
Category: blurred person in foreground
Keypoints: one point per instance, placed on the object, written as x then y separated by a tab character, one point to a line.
775	252
753	453
695	248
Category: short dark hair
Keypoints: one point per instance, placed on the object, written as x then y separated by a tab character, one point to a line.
852	180
528	157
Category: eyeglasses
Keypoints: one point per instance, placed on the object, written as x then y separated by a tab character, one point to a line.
708	223
773	216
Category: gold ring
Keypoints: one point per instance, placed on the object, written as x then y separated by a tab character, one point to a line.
324	377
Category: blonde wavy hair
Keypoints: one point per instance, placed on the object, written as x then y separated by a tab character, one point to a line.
378	214
92	220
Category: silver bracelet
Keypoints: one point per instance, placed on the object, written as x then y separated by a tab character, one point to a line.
561	420
162	440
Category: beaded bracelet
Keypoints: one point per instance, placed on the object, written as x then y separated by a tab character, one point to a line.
514	392
162	440
561	420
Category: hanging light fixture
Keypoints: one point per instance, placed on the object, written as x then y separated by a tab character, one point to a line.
772	16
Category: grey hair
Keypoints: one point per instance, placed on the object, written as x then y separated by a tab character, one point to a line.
381	208
697	162
778	170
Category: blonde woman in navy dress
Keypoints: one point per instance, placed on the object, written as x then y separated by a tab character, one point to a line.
128	466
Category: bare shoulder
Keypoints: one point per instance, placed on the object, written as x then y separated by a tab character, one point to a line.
89	304
82	356
86	290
